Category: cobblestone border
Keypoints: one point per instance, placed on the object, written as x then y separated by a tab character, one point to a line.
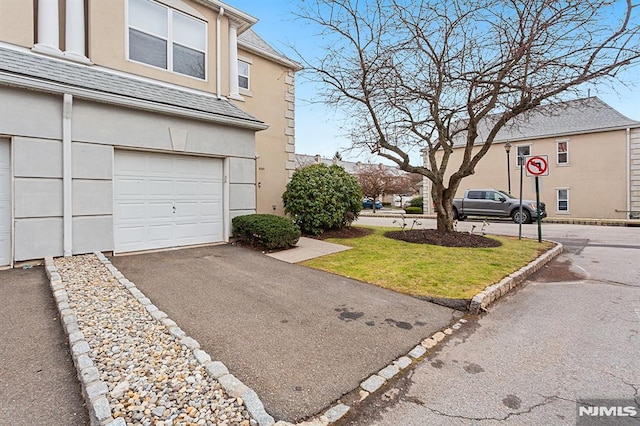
490	294
94	390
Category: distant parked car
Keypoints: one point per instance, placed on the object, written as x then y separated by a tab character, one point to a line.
367	203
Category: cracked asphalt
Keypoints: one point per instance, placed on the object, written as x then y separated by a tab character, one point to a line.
572	332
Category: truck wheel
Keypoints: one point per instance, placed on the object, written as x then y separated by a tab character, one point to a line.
455	214
526	216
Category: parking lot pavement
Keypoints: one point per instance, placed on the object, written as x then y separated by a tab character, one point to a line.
300	338
38	383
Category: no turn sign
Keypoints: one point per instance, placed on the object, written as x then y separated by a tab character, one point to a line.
538	165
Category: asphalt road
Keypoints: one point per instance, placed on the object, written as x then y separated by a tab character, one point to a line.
38	383
572	332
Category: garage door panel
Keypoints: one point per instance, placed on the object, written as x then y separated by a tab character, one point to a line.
189	189
211	189
130	211
208	209
159	188
130	187
159	211
180	204
187	211
133	164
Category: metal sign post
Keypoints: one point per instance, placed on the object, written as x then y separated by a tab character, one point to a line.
521	160
536	166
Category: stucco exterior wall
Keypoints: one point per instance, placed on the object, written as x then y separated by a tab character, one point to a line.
107	42
596	175
271	99
17	22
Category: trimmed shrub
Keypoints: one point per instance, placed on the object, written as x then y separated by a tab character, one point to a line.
319	198
266	230
416	202
413	210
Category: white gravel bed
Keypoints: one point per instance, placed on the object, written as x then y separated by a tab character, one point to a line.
151	377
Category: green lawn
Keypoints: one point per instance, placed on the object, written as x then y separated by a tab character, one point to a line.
428	270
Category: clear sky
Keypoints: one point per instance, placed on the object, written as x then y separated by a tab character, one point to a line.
318	127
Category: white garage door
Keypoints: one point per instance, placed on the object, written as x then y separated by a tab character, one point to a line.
164	200
5	203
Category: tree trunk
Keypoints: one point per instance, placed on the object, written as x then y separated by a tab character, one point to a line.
443	201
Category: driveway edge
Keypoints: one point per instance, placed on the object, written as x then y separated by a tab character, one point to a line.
94	390
491	293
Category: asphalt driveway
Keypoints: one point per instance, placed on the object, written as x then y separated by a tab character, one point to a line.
38	383
300	338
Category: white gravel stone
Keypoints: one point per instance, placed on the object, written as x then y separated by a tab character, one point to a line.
429	343
439	336
146	375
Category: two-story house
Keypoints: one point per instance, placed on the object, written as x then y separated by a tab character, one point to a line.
593	155
130	125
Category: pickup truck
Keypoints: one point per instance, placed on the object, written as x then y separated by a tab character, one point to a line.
495	203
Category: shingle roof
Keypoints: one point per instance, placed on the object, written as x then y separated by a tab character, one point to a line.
69	74
571	117
350	167
250	39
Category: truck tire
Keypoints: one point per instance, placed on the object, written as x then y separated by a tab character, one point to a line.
526	216
455	214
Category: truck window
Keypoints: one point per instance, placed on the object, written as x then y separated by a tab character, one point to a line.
475	195
492	195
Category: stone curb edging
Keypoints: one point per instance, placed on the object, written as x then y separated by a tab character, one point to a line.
94	390
495	291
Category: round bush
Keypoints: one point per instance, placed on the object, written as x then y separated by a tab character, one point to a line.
416	202
319	198
266	230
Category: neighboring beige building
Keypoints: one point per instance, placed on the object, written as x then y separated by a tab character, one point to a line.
594	161
130	125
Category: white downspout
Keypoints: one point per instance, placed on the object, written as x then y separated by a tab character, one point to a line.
219	55
67	184
628	214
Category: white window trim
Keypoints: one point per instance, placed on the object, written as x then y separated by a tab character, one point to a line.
242	90
558	142
169	40
522	145
558	211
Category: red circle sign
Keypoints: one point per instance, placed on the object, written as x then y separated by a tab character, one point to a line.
537	166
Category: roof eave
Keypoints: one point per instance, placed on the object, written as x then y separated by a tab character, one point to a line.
36	84
267	55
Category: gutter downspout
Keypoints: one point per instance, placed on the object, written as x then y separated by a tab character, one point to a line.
67	184
628	173
218	54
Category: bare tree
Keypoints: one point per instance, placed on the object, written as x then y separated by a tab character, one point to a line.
427	75
373	180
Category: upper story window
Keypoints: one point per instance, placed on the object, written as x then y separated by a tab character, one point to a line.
563	152
244	69
166	38
522	151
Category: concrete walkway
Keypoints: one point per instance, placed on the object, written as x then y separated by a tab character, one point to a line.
308	248
38	385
